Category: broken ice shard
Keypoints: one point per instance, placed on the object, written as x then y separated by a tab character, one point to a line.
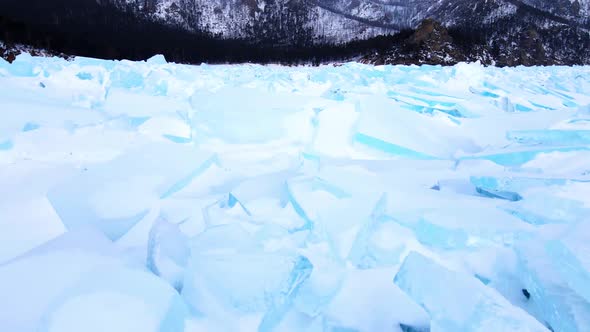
389	148
226	277
554	299
81	281
369	301
550	137
409	328
437	236
509	188
116	195
573	264
381	241
515	184
259	117
157	59
457	301
167	252
489	187
517	158
542	209
116	300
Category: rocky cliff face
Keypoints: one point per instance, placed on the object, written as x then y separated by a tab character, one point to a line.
431	44
509	45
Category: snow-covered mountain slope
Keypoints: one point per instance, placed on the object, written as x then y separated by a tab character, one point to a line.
345	20
151	196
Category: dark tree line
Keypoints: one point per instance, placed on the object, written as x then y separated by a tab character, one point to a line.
82	27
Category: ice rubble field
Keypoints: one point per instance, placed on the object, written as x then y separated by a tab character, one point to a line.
147	196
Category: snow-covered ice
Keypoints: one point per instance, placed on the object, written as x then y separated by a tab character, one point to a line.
150	196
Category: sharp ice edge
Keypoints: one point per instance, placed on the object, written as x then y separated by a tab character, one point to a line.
287	199
475	308
554	295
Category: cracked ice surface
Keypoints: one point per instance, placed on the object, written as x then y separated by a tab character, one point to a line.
148	196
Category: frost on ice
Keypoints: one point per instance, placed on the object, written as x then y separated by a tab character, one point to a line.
149	196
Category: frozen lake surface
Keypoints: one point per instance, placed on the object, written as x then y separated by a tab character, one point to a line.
147	196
